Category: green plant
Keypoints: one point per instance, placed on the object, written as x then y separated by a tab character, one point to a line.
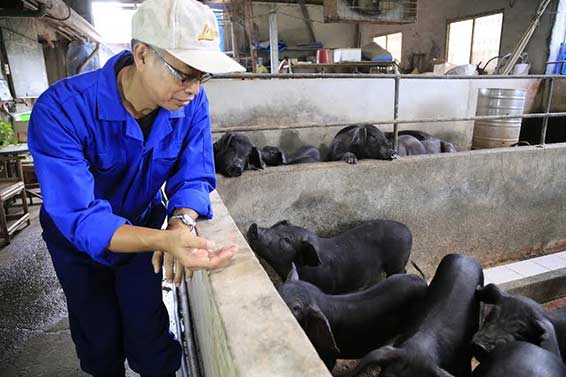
7	135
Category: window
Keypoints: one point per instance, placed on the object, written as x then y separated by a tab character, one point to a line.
113	21
475	40
220	17
392	43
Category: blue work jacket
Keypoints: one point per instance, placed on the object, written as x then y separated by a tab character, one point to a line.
97	172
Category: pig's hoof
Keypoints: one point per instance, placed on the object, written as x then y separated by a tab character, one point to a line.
350	158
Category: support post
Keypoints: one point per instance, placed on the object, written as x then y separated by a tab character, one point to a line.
549	89
273	41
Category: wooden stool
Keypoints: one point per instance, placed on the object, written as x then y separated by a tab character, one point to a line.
30	181
12	186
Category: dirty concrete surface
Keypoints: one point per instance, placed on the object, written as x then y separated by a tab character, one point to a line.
35	339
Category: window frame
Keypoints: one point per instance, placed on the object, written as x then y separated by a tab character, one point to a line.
387	40
474	18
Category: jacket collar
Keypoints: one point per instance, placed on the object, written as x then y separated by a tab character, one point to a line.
108	102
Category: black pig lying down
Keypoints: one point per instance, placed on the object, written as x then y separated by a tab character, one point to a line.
354	143
351	261
437	343
515	317
234	153
520	359
413	143
274	156
304	155
350	325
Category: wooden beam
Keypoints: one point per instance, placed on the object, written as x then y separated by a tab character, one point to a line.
68	18
274	41
309	2
307	18
249	26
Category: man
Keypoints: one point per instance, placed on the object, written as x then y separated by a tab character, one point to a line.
104	143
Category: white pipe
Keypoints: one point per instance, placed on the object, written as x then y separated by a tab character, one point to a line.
526	38
62	14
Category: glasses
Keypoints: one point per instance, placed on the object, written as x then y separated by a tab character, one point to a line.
201	78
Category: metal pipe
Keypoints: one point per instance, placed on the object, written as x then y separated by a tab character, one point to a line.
89	58
61	14
176	311
525	39
192	360
557	62
39	12
548	100
267	76
399	121
396	114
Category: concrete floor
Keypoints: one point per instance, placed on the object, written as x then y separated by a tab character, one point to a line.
35	339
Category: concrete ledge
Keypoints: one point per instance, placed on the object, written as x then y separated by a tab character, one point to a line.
541	288
243	327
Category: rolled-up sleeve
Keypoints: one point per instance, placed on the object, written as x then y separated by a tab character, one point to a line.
67	185
194	178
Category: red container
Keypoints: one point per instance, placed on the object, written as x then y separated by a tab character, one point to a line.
323	56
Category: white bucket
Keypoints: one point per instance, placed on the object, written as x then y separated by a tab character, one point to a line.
521	69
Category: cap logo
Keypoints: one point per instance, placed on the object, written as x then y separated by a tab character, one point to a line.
207	34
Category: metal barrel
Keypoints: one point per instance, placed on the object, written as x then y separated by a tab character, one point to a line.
498	132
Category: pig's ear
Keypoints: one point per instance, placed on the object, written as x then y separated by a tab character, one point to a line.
318	330
255	158
293	275
307	255
357	137
282	222
221	144
252	231
546	335
490	294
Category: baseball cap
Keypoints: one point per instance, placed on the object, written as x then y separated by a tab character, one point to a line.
187	29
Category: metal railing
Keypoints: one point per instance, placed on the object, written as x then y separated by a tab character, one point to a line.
561	62
547	79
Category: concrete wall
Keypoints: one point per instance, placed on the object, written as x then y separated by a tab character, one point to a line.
243	327
318	102
428	34
496	205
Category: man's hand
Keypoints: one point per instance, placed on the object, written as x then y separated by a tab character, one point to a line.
172	274
186	253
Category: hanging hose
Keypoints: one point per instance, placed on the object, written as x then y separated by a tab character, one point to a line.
89	58
179	331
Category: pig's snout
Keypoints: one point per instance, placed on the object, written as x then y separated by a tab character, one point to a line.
235	170
479	350
253	233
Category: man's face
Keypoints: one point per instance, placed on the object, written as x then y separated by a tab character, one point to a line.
162	86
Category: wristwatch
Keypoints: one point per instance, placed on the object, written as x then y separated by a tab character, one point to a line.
186	219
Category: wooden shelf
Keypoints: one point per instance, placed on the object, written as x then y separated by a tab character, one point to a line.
293	49
345	67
